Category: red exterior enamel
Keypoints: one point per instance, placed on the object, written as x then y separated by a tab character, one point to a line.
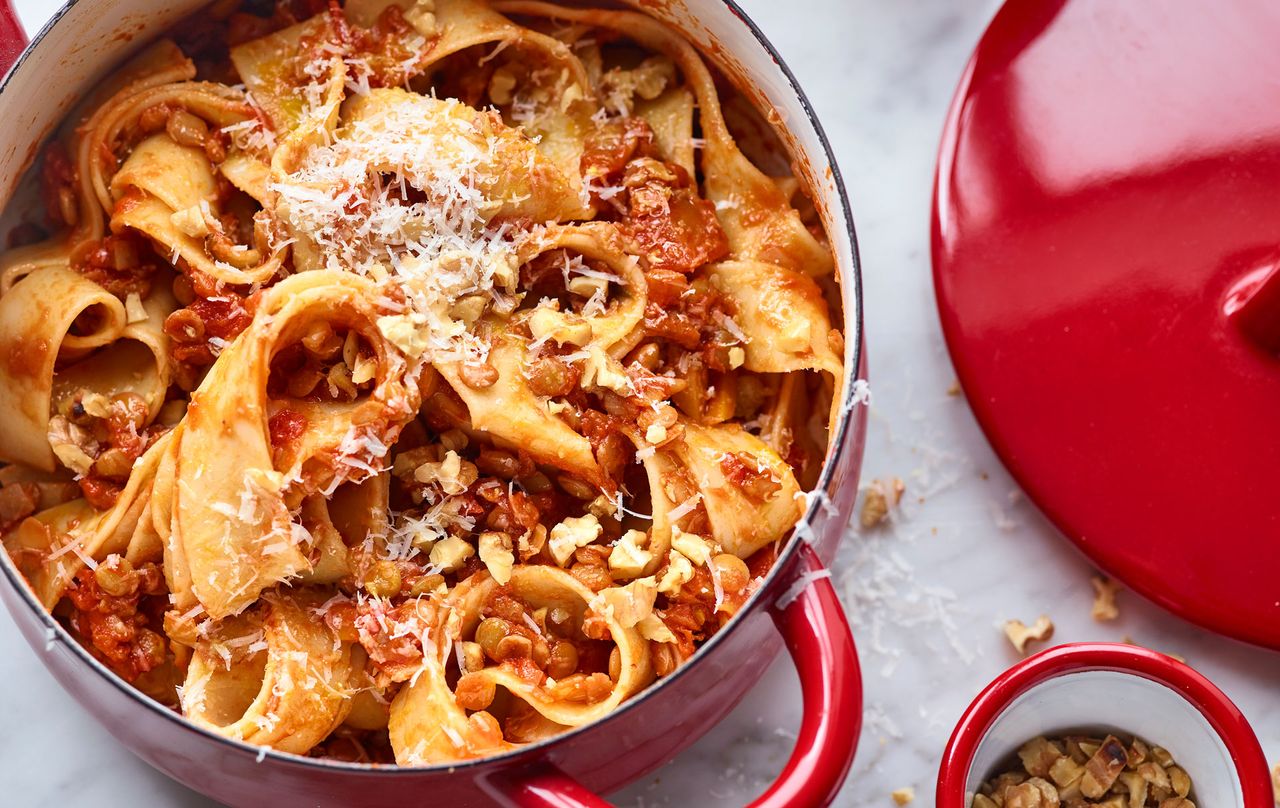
1107	216
1225	718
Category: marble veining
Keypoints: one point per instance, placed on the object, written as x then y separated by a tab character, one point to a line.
926	593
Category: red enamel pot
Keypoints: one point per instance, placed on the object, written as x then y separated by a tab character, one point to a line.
797	607
1103	688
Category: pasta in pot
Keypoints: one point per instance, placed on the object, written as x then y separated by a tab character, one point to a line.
411	380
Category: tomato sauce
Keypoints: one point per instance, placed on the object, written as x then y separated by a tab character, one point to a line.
118	627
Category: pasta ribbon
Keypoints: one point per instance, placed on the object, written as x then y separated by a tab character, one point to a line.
224	453
722	481
58	542
427	725
55	315
168	192
276	677
755	213
510	412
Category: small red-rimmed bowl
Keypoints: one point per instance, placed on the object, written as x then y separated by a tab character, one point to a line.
1109	687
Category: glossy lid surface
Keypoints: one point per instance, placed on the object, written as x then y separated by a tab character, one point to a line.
1106	234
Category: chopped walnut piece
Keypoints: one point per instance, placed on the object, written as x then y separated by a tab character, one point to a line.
1020	634
628	557
627	604
1065	772
653	629
452	474
1103	768
1088	773
881	495
449	553
1136	786
678	573
495	552
571	534
1034	793
655	434
1275	782
1104	599
691	546
1137	754
903	796
471	657
1038	755
1156	775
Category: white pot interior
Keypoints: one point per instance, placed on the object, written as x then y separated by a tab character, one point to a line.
1101	702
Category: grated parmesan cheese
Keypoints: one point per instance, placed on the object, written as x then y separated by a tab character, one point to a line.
352	198
802	583
684	508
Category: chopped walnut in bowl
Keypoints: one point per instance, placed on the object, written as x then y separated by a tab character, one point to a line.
1075	771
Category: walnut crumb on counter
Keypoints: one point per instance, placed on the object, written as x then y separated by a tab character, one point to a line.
880	497
1020	634
902	796
1104	599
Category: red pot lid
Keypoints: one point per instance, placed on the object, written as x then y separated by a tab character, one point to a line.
1106	237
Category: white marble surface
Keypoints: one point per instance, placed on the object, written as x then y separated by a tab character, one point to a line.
926	594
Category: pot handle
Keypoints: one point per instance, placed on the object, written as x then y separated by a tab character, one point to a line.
12	38
814	628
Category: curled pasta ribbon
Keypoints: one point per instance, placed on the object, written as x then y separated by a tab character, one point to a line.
427	726
266	65
508	410
164	187
223	454
275	677
305	133
216	103
754	211
161	180
785	318
553	588
513	416
559	128
161	63
514	179
51	547
688	479
56	316
449	26
670	116
783	314
18	263
602	242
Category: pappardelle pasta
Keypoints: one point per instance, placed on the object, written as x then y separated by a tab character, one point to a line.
409	381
